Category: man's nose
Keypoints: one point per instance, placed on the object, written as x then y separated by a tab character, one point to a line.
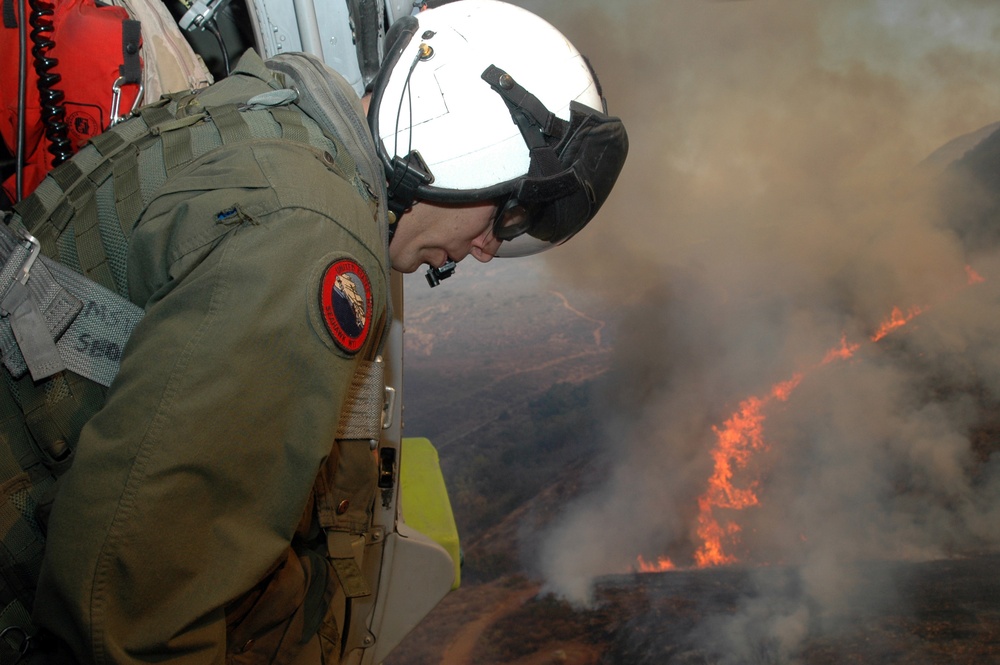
485	247
485	251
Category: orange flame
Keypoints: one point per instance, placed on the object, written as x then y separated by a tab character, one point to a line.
842	352
660	565
741	435
896	320
973	276
782	391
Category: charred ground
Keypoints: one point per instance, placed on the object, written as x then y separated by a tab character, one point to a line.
947	612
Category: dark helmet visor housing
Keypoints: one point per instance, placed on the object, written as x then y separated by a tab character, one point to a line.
573	165
572	170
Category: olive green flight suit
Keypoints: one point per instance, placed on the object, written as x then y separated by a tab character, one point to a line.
170	538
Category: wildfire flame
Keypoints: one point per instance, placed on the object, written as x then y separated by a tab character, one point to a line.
896	320
842	352
973	276
739	437
661	564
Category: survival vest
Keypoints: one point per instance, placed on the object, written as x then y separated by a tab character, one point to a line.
70	98
80	218
68	95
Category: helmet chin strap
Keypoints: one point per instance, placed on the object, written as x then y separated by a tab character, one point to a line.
408	174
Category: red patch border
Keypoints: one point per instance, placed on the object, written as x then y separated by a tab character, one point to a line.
337	332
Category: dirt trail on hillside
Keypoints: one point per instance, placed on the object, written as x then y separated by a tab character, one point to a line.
462	647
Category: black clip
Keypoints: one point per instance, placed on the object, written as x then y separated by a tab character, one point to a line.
435	275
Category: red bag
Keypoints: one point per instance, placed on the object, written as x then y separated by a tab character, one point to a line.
89	47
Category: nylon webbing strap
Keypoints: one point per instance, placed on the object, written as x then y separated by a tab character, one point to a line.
346	553
31	206
131	67
34	311
176	140
86	228
9	17
100	172
67	175
532	118
518	99
88	323
232	127
61	215
154	115
107	143
46	210
361	417
176	148
30	331
128	195
361	420
292	127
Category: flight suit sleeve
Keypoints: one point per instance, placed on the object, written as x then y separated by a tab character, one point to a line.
189	483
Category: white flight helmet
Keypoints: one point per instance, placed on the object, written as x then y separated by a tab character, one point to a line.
480	100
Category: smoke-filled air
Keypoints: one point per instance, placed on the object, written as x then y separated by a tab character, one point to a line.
808	363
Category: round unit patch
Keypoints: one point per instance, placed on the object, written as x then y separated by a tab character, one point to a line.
83	122
345	299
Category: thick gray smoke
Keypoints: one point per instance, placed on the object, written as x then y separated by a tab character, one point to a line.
772	206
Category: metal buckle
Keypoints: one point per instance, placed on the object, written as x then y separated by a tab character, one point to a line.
387	407
116	100
25	644
35	248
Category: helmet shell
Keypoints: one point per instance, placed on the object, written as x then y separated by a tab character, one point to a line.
460	126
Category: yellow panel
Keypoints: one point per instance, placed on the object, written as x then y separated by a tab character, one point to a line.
424	498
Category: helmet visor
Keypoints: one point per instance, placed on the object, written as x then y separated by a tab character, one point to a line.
545	210
512	223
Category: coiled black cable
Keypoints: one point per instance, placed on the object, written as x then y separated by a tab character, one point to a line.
50	99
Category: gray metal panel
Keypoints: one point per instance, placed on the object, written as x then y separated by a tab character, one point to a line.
322	28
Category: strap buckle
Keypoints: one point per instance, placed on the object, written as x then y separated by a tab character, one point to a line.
34	247
116	100
22	648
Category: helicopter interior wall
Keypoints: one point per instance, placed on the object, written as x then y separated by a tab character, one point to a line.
235	31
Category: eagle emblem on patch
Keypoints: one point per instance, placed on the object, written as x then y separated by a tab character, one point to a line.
345	300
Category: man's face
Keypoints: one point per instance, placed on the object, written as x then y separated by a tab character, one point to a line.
433	233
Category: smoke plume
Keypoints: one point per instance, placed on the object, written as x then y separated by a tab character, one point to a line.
778	204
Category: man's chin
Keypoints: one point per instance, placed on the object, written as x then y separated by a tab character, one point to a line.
406	266
414	264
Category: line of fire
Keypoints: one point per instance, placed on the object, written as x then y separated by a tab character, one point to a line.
741	437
